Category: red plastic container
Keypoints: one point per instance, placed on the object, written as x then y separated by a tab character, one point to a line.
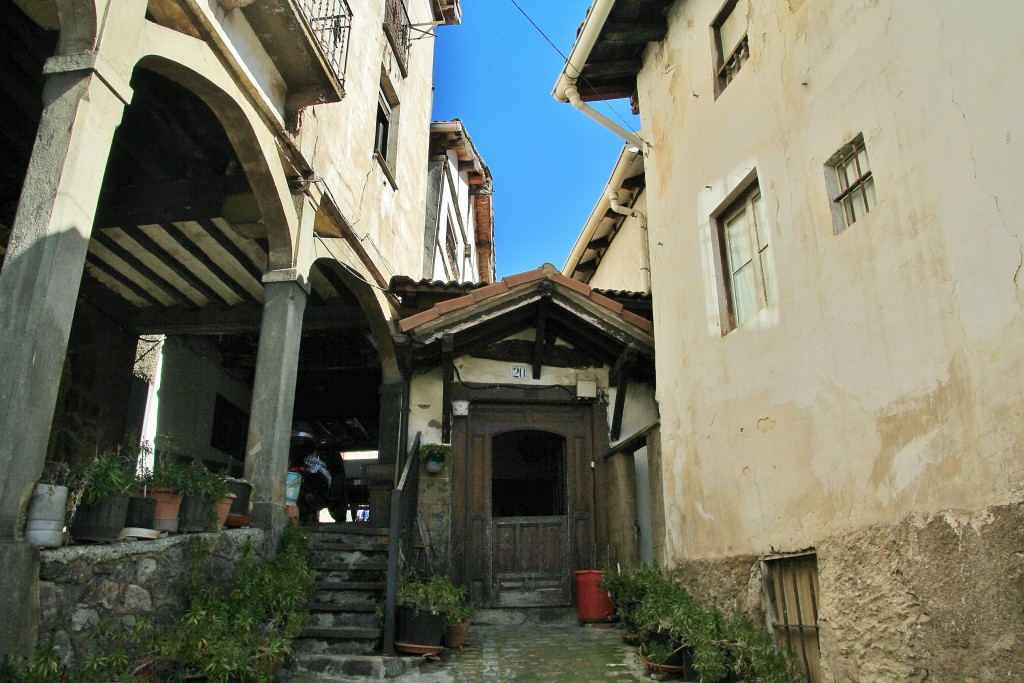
592	603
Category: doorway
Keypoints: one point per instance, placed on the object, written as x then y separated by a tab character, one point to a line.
523	494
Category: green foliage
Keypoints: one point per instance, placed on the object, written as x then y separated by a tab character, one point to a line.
106	474
436	595
435	451
198	480
754	655
627	587
657	653
235	635
167	473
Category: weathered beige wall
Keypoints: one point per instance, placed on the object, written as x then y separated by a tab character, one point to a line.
338	140
621	264
884	384
883	381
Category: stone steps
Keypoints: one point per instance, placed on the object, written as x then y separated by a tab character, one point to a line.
350	564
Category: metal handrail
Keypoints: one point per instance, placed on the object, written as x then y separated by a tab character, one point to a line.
331	22
404	501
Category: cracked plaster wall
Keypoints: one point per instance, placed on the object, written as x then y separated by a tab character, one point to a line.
885	381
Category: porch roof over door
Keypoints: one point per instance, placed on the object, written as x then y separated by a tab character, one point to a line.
556	306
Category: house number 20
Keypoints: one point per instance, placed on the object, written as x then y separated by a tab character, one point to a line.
521	372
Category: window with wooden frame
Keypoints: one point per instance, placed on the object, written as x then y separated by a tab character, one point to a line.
851	186
746	270
729	42
385	136
791	600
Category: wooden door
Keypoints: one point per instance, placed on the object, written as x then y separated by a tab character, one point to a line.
524	560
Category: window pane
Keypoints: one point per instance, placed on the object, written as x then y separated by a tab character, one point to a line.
744	294
857	203
862	160
869	193
733	28
849	172
737	240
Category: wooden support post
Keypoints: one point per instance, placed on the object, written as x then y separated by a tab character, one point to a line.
448	368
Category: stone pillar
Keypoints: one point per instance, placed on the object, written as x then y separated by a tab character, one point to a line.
43	268
83	101
273	397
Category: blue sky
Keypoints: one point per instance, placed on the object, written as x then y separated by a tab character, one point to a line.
549	161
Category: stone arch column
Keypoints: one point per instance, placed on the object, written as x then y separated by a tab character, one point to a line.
84	97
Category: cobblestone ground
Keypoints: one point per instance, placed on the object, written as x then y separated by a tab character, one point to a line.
539	653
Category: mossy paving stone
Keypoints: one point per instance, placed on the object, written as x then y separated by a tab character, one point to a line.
536	653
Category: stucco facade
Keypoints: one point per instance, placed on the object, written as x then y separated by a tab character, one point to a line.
864	403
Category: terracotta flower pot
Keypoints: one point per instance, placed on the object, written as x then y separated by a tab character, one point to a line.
168	504
222	508
457	635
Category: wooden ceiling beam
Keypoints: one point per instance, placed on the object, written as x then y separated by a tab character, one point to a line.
241	319
158	280
179	236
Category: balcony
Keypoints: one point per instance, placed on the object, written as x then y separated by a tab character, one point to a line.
307	40
331	21
398	29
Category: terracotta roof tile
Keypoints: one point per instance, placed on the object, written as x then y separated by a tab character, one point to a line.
490	290
613	306
523	278
418	319
639	321
450	305
575	285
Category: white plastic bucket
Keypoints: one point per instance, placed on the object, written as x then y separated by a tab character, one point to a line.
291	488
45	525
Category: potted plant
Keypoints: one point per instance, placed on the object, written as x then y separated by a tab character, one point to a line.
101	492
164	484
201	490
460	615
434	456
627	588
421	616
48	508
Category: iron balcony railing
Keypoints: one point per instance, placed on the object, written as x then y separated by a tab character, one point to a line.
331	21
399	28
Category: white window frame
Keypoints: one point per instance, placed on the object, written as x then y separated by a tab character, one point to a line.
746	202
850	183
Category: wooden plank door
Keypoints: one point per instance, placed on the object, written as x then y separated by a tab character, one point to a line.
524	561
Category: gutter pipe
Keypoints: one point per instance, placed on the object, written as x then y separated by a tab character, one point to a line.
565	88
645	254
574	96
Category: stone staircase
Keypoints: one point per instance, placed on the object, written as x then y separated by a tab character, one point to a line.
342	638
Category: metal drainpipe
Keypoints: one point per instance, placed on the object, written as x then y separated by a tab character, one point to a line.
645	254
574	96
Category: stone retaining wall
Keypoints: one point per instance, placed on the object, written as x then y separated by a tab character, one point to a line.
89	588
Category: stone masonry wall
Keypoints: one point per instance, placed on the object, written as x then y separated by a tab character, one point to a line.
86	589
435	504
936	597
